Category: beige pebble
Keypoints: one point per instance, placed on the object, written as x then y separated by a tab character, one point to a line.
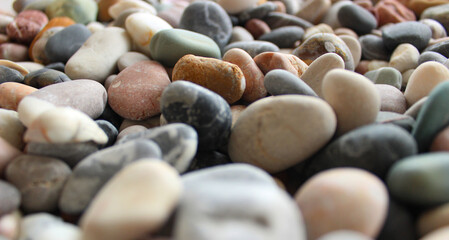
425	77
10	225
14	66
345	31
236	6
376	64
236	110
413	110
116	9
11	129
437	28
136	201
314	75
343	199
320	28
129	59
433	219
404	57
109	80
130	130
313	10
439	234
240	34
391	99
405	77
30	108
266	136
354	46
353	97
268	61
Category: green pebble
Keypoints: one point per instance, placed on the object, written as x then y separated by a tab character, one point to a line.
81	11
421	179
386	75
168	46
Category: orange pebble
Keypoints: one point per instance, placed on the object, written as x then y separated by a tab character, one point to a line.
11	93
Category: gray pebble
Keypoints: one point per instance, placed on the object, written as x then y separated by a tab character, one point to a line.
281	82
277	20
416	33
10	75
431	56
258	12
284	37
253	48
386	75
44	77
9	198
373	48
110	130
61	46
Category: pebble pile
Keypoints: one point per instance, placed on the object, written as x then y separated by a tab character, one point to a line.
224	120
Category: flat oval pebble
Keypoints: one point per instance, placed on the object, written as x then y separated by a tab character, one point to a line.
373	48
207	18
9	198
81	11
392	11
11	93
221	77
320	28
438	30
391	99
264	136
257	27
44	77
90	175
404	57
441	48
121	6
26	26
156	186
168	46
425	77
326	199
284	37
97	57
416	33
428	56
427	173
351	94
357	18
281	82
39	179
135	92
10	75
200	108
321	43
63	44
85	95
253	48
385	75
273	60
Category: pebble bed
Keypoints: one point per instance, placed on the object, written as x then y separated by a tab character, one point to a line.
224	120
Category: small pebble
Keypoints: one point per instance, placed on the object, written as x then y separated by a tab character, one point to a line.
437	12
258	12
7	153
63	44
284	37
9	198
272	60
404	57
81	11
121	6
10	75
433	219
45	77
354	46
385	75
11	129
277	20
373	48
233	7
440	47
26	26
357	18
391	99
392	11
281	82
129	59
240	34
257	27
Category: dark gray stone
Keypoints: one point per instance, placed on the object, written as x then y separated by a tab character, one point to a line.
207	112
428	56
90	175
208	159
178	143
253	48
357	18
416	33
439	13
373	48
61	46
207	18
284	37
44	77
9	198
258	12
58	66
277	20
441	48
399	224
281	82
10	75
110	130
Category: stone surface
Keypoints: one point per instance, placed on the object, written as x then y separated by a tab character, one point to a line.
258	12
150	190
401	120
281	82
272	60
10	225
207	112
284	37
44	77
9	198
438	30
56	231
440	141
392	11
400	223
404	57
391	99
357	18
33	224
350	94
224	78
81	11
135	92
415	33
39	180
240	34
373	48
129	59
326	199
253	48
385	75
61	46
124	5
265	137
92	173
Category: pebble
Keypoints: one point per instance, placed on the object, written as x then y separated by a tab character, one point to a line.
11	129
92	173
439	234
427	173
344	235
253	48
320	28
351	94
85	95
271	142
313	11
103	7
326	199
321	43
254	77
438	13
431	56
13	52
278	19
392	11
9	197
439	143
404	57
38	51
121	6
168	46
269	61
40	181
425	77
10	225
438	30
391	99
135	92
32	224
385	75
7	154
354	46
357	18
284	37
401	120
130	58
10	75
331	16
416	33
258	12
257	27
233	7
97	57
11	93
81	11
432	219
54	232
373	48
281	82
224	78
63	44
110	130
14	66
150	189
26	26
441	48
45	77
207	112
240	34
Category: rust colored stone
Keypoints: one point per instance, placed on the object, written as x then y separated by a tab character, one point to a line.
11	93
418	6
441	141
257	27
271	60
103	7
392	11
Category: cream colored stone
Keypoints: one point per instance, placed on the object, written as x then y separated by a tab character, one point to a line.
313	10
433	219
10	225
31	66
60	231
425	77
314	75
278	132
136	201
354	46
439	234
404	57
376	64
320	28
30	108
129	59
343	199
95	27
405	77
353	97
15	66
122	5
236	6
11	129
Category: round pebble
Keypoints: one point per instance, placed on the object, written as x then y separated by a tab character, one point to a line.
437	12
45	77
281	82
357	18
13	52
9	198
416	33
385	75
240	34
404	57
440	47
433	219
284	37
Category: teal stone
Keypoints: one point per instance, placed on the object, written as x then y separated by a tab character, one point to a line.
386	75
168	46
433	116
421	179
81	11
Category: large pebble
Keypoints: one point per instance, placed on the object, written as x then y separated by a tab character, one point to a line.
150	190
81	11
12	93
284	37
404	57
272	60
10	75
207	18
88	96
391	99
168	46
313	11
266	137
9	198
253	48
425	77
44	77
357	18
221	77
427	172
331	16
438	30
440	47
11	129
327	199
39	179
351	94
200	108
63	44
135	92
354	46
416	33
281	82
90	175
97	57
373	48
385	75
